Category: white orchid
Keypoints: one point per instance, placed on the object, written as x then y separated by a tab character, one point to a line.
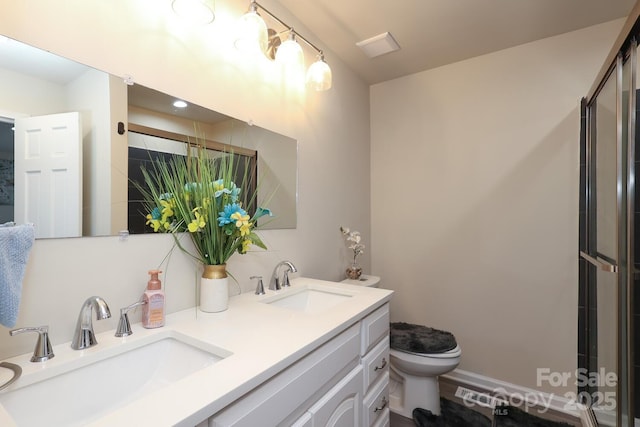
353	238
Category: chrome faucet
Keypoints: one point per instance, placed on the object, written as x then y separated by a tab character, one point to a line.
124	326
84	336
259	286
275	283
43	350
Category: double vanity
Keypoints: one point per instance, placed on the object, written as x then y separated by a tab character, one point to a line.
313	354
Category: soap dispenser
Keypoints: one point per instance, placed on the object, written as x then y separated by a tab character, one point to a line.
153	297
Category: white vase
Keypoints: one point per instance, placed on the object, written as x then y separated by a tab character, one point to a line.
214	289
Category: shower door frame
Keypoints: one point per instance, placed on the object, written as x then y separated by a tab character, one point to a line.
623	52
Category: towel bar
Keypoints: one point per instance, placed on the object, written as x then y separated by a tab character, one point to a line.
17	371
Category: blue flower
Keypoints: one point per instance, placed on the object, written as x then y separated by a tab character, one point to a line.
220	189
156	213
262	212
224	217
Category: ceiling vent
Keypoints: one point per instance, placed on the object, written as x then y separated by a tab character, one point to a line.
378	45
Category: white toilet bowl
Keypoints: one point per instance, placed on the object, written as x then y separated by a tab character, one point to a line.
415	378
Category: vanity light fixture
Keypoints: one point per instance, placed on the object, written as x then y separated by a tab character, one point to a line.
254	36
251	31
198	12
289	54
319	74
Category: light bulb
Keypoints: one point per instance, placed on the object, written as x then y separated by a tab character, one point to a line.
319	75
252	33
290	54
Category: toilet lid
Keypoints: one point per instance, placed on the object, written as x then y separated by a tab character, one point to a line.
420	339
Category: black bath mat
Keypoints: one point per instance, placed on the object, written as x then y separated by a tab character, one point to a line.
456	415
452	414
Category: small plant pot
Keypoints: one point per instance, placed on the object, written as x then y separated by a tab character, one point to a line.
354	271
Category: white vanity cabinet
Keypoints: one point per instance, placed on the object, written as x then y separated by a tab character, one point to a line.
342	383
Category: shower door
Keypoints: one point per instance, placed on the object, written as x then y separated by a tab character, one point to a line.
604	377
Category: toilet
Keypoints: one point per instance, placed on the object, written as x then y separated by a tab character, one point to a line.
414	374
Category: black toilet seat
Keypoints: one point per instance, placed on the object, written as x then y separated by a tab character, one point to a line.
420	339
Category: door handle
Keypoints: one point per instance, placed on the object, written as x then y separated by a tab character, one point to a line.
602	265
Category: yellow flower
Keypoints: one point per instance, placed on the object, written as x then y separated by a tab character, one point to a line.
198	223
153	223
167	209
242	222
218	185
245	245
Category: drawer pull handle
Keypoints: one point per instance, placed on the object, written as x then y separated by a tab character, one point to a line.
384	363
384	405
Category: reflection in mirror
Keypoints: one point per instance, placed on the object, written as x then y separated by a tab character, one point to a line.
36	83
37	88
154	121
145	153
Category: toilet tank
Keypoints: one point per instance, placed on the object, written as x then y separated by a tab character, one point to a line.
364	280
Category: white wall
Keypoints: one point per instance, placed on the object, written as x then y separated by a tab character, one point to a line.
89	94
24	96
143	39
475	176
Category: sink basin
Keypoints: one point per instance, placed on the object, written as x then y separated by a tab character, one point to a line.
84	394
309	299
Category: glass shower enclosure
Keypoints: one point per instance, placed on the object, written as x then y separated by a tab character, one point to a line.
608	263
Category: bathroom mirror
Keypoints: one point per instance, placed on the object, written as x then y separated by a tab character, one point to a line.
39	85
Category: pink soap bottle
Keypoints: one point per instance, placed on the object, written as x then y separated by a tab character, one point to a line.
153	309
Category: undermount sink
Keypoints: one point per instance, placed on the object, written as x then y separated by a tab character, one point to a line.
308	299
81	395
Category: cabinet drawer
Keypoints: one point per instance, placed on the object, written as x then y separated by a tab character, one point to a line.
376	363
376	402
374	327
282	396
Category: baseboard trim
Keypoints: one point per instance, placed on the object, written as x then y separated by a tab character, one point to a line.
527	396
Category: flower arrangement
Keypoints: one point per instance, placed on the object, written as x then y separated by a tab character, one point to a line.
353	242
198	195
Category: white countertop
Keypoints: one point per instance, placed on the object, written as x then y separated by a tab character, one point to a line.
262	341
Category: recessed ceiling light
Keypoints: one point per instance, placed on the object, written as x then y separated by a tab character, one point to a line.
194	11
379	45
180	104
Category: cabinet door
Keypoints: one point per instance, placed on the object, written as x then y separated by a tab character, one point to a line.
304	421
341	406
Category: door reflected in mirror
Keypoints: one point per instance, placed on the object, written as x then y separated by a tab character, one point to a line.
37	83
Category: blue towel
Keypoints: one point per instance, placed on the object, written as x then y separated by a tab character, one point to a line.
15	243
